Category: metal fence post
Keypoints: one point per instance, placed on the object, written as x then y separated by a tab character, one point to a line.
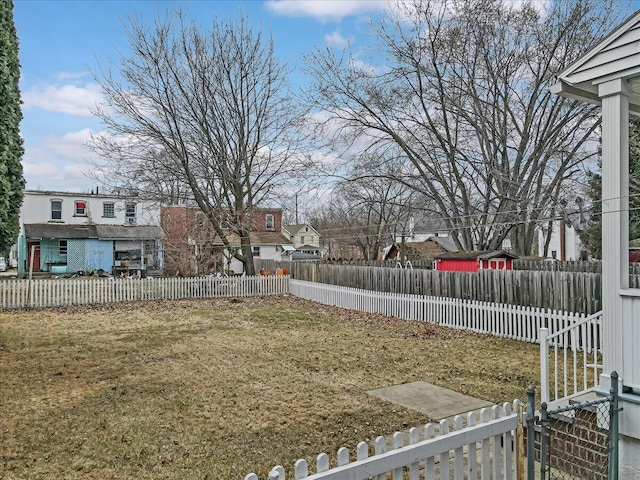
544	421
613	426
531	434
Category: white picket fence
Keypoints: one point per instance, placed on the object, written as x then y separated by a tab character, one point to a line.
574	369
18	294
501	320
483	448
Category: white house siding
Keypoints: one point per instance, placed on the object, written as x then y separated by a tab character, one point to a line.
572	243
621	54
36	208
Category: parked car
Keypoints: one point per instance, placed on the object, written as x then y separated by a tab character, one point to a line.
3	264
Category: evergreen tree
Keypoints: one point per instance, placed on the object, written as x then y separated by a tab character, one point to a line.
591	234
11	150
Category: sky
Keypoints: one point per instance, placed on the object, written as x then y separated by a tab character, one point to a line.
63	42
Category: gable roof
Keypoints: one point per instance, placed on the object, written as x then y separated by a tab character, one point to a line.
295	229
445	242
476	255
428	223
617	56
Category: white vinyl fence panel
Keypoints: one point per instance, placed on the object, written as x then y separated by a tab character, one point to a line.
484	448
570	359
81	291
501	320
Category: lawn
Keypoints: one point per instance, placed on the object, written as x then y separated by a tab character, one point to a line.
220	388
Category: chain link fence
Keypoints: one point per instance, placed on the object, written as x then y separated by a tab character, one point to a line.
578	441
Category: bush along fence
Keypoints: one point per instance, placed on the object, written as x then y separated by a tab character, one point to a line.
571	291
80	291
483	447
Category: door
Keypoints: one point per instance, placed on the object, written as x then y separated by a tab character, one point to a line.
33	248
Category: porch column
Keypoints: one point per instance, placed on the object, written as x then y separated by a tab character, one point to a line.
615	225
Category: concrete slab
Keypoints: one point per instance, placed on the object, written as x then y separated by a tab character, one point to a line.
434	401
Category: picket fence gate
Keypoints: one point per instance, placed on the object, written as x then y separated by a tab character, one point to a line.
574	369
18	294
483	448
501	320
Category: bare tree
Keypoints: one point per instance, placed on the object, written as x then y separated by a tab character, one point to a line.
463	92
370	204
200	116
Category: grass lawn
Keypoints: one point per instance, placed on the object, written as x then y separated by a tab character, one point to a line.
220	388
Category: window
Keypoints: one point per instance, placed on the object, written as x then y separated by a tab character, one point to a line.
306	229
108	210
302	239
312	239
63	248
56	209
80	208
269	222
255	251
130	213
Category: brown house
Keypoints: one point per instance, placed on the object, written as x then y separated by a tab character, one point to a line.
426	250
192	246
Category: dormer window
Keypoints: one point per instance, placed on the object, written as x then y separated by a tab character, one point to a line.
269	222
56	209
80	208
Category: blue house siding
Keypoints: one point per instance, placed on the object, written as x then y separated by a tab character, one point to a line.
50	254
99	255
90	254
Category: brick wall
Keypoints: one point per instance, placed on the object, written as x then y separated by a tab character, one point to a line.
259	220
578	447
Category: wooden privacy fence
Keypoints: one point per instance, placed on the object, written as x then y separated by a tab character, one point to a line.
483	448
594	266
578	292
501	320
81	291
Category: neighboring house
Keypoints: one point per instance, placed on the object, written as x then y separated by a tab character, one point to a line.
304	238
474	261
189	239
62	232
425	250
264	245
564	244
419	228
193	247
609	75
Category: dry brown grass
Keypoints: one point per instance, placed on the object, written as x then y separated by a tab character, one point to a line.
219	388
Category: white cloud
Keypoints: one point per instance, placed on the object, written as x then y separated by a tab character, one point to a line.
60	163
326	9
69	99
335	39
71	75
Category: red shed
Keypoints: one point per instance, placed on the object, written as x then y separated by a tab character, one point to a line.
474	261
